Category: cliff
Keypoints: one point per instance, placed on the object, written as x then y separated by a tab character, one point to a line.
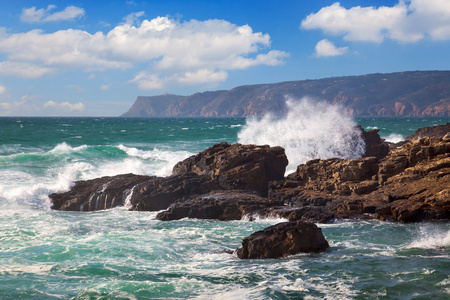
415	93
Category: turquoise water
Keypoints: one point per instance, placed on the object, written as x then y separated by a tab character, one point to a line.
118	254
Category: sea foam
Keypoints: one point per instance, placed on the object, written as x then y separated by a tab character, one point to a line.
309	130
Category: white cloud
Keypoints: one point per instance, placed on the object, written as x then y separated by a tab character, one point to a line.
65	106
132	18
105	87
407	21
23	69
31	105
175	51
33	15
327	48
2	89
203	75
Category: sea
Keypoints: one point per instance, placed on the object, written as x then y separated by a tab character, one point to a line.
122	254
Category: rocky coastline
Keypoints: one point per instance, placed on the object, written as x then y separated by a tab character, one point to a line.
405	182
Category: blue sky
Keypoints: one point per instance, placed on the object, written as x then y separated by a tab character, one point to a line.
93	58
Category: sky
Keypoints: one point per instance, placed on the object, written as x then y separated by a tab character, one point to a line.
93	58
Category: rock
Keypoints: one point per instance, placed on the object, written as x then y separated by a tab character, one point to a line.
238	167
219	205
97	194
336	176
160	193
306	213
410	184
283	239
375	145
433	131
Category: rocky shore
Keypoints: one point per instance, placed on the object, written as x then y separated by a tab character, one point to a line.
406	182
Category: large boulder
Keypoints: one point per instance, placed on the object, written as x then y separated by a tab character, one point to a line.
238	167
220	205
283	239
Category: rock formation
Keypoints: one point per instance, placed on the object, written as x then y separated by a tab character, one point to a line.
283	239
409	184
220	167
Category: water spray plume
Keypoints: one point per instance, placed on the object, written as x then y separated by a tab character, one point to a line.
309	130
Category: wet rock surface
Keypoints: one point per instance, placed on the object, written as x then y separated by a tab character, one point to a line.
283	239
96	194
219	205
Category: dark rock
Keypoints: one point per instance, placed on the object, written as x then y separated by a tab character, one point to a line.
238	167
433	131
375	145
219	205
306	213
411	184
160	193
283	239
96	194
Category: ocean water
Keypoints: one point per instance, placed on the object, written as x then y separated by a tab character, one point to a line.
121	254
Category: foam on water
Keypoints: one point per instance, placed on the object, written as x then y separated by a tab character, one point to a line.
394	138
310	130
163	160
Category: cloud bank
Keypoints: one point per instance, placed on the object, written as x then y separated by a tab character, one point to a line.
173	52
406	22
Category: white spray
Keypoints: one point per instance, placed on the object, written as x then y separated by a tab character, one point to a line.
310	130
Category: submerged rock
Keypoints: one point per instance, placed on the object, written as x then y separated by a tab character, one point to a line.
283	239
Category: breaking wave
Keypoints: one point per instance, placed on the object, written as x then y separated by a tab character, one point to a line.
309	130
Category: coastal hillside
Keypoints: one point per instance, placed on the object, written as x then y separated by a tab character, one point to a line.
414	93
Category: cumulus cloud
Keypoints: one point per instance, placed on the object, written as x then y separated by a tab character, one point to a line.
407	21
187	52
2	89
327	48
33	15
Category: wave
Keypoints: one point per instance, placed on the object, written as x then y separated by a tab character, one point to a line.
26	179
430	237
309	130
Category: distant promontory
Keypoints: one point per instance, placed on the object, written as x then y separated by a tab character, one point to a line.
413	93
